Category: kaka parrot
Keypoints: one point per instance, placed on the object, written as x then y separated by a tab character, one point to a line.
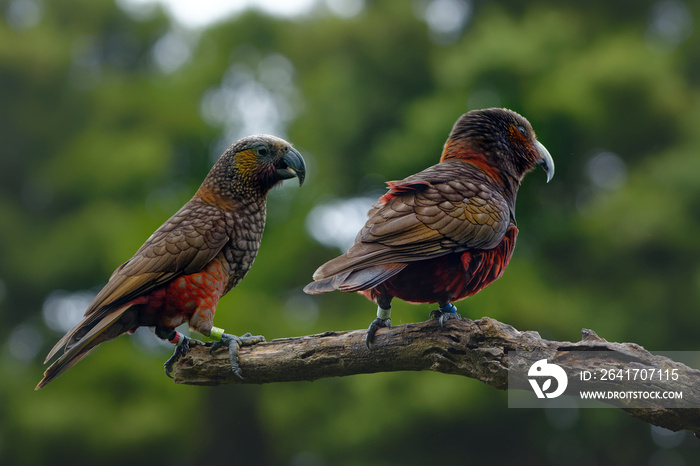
191	261
446	232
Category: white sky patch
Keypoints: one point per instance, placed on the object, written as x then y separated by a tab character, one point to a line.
345	8
23	14
670	24
337	222
445	18
172	51
607	170
202	13
257	97
63	309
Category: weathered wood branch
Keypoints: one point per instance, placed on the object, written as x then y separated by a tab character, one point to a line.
476	349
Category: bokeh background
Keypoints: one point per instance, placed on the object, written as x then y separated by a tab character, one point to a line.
111	114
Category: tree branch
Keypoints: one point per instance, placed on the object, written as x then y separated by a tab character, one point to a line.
476	349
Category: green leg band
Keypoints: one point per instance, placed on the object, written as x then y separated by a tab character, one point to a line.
216	333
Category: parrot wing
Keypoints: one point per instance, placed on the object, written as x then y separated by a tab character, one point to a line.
184	244
447	208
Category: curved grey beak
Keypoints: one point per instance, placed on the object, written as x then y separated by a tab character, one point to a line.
546	160
292	165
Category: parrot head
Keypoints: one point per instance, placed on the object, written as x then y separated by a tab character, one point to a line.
500	141
253	165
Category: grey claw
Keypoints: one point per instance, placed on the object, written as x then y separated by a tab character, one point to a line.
443	316
373	327
180	351
234	343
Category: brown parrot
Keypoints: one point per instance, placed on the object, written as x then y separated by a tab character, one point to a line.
191	261
447	232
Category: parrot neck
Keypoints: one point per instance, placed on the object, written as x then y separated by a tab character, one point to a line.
472	157
477	158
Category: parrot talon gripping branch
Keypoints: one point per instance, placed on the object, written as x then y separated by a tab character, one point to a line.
445	313
373	327
182	347
446	232
234	343
198	255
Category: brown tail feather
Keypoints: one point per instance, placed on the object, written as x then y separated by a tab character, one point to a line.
321	286
84	326
102	331
359	255
355	280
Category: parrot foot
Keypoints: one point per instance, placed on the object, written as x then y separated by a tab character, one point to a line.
445	313
234	344
182	348
374	326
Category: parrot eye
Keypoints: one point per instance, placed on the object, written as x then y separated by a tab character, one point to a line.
522	130
262	150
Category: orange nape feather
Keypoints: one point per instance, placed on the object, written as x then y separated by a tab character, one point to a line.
455	149
397	188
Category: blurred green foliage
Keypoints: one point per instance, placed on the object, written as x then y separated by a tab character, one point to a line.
109	121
